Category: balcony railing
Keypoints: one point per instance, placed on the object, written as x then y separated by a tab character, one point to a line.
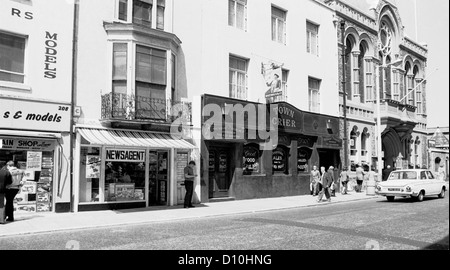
116	106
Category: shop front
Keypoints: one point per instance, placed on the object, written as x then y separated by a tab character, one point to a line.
239	166
35	135
119	169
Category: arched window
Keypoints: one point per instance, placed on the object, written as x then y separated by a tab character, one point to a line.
353	140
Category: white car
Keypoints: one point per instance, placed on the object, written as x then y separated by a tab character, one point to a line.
414	183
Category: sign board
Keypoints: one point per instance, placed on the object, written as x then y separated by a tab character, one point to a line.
26	144
33	115
125	155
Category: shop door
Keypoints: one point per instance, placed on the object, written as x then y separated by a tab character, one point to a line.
158	177
220	177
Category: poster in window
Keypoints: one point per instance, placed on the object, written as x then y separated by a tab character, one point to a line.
34	161
223	162
124	192
279	160
251	160
303	156
92	167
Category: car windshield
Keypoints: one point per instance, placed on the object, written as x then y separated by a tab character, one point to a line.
403	175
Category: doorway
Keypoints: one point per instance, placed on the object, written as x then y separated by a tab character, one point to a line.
220	171
158	177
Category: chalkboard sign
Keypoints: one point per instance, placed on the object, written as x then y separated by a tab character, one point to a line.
251	160
279	160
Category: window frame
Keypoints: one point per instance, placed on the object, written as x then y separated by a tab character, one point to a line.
233	76
23	74
275	27
233	18
314	50
314	92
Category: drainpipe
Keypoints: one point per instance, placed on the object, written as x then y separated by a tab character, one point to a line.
73	96
345	94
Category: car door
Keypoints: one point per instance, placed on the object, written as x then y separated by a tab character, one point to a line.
435	184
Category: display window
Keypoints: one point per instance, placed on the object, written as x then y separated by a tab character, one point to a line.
124	175
90	166
280	160
303	156
35	158
252	159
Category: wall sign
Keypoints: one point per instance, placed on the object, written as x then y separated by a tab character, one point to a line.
32	115
26	144
303	156
251	160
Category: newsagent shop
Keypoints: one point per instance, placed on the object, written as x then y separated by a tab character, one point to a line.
41	155
235	165
120	169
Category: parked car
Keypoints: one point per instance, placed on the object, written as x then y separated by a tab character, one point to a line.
412	183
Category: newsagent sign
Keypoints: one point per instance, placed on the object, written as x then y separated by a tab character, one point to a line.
34	115
125	155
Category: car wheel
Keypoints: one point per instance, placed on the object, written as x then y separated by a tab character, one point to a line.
390	198
442	194
419	197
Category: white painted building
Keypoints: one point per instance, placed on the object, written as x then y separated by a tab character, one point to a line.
35	99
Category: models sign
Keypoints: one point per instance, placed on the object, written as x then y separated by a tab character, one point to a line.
33	115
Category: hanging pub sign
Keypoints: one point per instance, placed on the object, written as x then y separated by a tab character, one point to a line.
279	160
251	160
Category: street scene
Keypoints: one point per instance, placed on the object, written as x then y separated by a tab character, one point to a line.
268	125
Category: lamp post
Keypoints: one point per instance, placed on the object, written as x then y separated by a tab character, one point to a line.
378	98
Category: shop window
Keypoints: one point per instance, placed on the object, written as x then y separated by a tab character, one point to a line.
252	159
90	165
12	62
280	160
124	181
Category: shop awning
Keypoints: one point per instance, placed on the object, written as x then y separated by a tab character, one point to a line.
122	138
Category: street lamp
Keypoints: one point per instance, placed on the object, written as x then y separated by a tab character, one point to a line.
379	142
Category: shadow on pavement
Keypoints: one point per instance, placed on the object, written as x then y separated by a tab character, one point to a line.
440	245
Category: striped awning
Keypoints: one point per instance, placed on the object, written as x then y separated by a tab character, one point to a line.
110	137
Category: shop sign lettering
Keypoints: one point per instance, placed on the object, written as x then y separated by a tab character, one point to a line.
31	115
302	160
278	160
20	144
50	55
125	155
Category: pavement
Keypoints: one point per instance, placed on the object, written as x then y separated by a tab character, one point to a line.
31	223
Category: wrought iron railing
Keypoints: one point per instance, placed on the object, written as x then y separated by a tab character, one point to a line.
116	106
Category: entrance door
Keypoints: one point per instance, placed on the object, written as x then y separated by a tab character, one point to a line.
329	157
220	172
158	173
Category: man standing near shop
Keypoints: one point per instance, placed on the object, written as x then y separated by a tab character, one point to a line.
5	179
189	177
328	180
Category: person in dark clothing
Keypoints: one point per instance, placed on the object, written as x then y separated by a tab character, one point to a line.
189	177
12	190
5	179
328	180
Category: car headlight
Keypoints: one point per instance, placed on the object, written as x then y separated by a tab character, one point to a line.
408	189
378	188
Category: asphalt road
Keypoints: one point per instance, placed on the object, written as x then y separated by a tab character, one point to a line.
373	224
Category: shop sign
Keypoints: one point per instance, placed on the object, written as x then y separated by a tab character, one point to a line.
32	115
125	155
26	144
278	160
331	142
289	118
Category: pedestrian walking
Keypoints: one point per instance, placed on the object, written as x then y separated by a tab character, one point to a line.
320	181
5	179
328	180
313	180
344	178
12	190
359	178
189	177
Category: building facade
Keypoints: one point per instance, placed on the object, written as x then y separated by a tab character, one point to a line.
438	153
35	100
378	56
129	70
